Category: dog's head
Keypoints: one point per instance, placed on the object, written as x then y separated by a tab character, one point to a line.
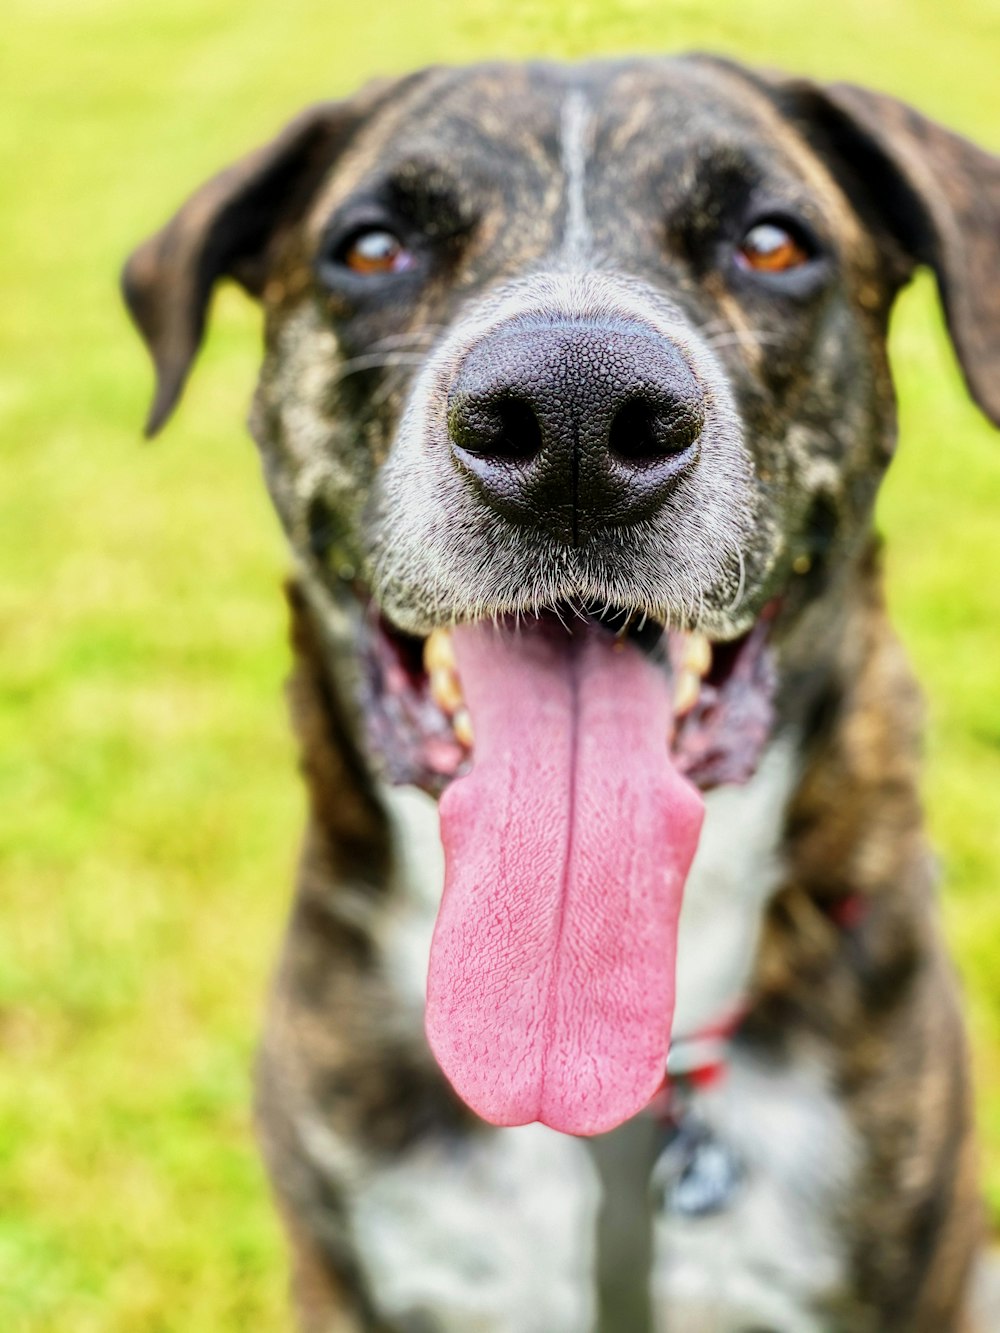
608	337
598	344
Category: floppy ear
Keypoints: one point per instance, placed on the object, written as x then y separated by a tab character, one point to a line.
938	195
224	229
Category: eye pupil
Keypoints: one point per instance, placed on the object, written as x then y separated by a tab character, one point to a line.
770	248
377	251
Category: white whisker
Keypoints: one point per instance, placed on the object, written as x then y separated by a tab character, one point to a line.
376	361
741	587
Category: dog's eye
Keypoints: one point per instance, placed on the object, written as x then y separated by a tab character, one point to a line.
376	250
770	247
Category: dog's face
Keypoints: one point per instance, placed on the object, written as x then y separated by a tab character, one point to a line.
606	340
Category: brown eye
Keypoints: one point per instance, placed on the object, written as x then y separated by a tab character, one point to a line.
771	248
377	251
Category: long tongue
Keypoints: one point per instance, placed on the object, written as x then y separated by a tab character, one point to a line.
551	985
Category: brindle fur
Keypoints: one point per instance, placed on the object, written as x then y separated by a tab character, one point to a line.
477	161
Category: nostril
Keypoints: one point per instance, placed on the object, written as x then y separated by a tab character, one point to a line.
633	436
519	434
500	429
645	431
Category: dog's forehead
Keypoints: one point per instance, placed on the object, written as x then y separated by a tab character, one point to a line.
515	130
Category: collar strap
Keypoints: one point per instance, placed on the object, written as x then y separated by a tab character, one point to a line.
701	1056
698	1060
847	911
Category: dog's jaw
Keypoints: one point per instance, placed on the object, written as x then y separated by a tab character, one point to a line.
419	730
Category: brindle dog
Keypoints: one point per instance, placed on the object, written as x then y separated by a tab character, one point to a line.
608	341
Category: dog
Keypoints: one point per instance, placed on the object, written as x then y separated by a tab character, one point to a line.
574	407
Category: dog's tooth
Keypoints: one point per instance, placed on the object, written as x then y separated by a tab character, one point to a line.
697	655
446	691
461	724
687	687
439	651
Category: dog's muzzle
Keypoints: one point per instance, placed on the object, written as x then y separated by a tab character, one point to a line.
574	427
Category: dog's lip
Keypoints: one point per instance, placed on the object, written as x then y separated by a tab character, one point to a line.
419	731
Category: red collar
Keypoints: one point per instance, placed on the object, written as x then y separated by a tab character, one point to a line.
699	1060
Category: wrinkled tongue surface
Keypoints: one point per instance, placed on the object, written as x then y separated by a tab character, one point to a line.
551	985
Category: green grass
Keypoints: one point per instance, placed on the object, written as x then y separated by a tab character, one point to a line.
148	806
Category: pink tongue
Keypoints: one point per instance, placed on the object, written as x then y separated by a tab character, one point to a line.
551	986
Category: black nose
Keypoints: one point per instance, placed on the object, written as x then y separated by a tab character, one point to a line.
574	427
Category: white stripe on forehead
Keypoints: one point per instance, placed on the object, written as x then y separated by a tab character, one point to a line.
576	133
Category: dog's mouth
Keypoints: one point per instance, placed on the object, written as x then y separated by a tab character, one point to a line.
569	751
420	731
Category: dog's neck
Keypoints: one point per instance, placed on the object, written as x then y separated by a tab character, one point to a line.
737	868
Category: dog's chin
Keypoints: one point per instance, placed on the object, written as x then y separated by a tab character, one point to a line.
419	731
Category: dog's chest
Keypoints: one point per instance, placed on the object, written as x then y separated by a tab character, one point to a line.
771	1254
767	1256
734	873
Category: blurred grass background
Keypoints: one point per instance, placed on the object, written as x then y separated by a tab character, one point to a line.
148	806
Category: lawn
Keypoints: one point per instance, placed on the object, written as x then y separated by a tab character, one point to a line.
148	804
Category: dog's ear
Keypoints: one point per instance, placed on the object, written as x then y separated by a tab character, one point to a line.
224	230
936	193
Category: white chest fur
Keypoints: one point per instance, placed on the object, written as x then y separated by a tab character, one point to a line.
494	1236
497	1235
735	871
774	1257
